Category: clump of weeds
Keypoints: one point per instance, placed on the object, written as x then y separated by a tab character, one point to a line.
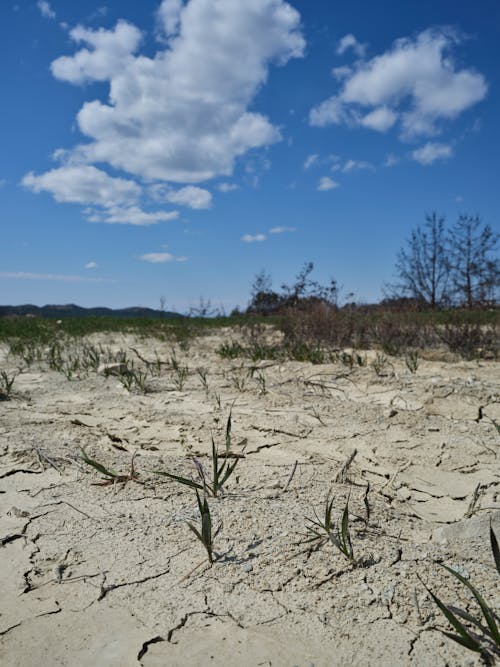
6	384
110	477
381	365
325	529
134	379
481	636
202	376
221	472
412	360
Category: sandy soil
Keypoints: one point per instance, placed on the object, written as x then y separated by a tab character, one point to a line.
94	575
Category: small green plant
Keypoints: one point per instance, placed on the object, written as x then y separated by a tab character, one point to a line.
485	637
110	476
202	375
412	360
218	400
181	374
221	472
231	350
134	378
324	530
261	381
239	381
381	365
205	534
6	384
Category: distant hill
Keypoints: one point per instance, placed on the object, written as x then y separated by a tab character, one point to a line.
70	310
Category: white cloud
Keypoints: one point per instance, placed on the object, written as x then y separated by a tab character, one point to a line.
310	160
253	238
91	265
282	230
355	165
182	115
380	119
169	16
83	184
326	183
350	42
431	152
27	275
45	9
190	196
161	258
415	82
391	160
130	215
341	72
227	187
111	53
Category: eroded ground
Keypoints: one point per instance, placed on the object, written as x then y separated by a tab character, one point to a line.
96	575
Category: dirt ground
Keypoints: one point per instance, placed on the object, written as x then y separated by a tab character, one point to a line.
112	575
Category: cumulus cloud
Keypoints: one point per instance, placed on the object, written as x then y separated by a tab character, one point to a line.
182	115
326	183
168	16
227	187
310	160
431	152
83	184
161	258
253	238
350	42
190	196
45	9
110	53
380	119
416	84
91	265
116	198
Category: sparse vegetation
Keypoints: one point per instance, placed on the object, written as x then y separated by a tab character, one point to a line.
322	530
205	533
221	472
482	637
6	384
110	477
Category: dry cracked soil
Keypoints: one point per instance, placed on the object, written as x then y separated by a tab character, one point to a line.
112	575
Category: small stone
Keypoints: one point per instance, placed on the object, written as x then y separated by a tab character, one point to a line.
390	412
247	567
16	511
404	493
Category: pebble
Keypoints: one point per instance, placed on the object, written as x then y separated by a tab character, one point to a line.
247	567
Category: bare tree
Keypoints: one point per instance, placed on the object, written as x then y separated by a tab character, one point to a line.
475	270
423	266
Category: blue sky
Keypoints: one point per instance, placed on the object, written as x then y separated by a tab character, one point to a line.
178	148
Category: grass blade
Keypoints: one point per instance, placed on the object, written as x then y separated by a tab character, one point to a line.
487	613
495	548
177	478
466	639
98	466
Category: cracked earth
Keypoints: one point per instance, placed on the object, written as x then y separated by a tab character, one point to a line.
112	576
